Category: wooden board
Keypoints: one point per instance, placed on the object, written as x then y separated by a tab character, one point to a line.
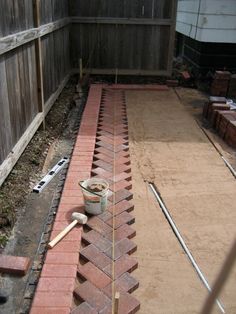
15	16
110	46
128	36
122	8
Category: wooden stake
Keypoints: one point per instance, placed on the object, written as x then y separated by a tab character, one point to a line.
117	299
39	66
80	68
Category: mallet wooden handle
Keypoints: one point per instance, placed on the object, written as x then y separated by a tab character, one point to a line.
62	234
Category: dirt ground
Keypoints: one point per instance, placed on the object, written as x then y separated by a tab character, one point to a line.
169	149
27	171
24	232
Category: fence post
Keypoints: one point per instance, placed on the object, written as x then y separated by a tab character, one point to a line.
38	52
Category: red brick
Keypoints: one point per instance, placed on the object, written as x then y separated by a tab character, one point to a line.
80	167
59	271
71	185
122	168
120	220
78	175
120	196
122	160
122	247
101	172
84	308
83	156
93	274
121	176
62	258
50	310
125	283
121	207
93	296
104	151
107	310
128	304
104	165
122	265
105	215
80	161
14	265
115	187
122	154
106	139
119	148
172	83
185	75
115	131
112	119
69	208
52	299
67	246
98	225
92	254
123	232
74	193
72	199
105	145
104	158
64	216
56	284
105	133
139	87
95	238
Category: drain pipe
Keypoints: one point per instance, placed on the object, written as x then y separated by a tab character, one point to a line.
181	240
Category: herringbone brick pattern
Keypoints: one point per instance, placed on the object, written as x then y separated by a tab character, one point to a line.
107	253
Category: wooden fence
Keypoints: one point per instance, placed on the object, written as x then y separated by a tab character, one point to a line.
34	67
123	36
41	42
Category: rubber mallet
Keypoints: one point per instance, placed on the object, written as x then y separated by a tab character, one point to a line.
77	218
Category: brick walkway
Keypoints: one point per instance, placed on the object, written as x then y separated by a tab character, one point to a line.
81	273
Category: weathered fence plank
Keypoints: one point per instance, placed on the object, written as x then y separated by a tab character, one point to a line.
5	125
19	74
126	36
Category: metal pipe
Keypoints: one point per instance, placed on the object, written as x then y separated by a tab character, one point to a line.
218	151
229	166
181	240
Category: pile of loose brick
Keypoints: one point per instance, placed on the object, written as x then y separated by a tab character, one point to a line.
221	118
224	84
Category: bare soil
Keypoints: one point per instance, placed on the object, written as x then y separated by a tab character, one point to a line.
26	173
169	149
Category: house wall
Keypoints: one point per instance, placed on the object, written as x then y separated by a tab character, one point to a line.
207	20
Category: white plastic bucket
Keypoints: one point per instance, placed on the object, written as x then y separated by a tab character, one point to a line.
95	203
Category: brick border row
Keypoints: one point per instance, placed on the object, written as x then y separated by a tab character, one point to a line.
54	292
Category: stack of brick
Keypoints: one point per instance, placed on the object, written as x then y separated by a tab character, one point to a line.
230	136
232	86
222	119
220	83
212	107
224	127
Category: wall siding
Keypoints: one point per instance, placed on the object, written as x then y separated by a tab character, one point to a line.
207	20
